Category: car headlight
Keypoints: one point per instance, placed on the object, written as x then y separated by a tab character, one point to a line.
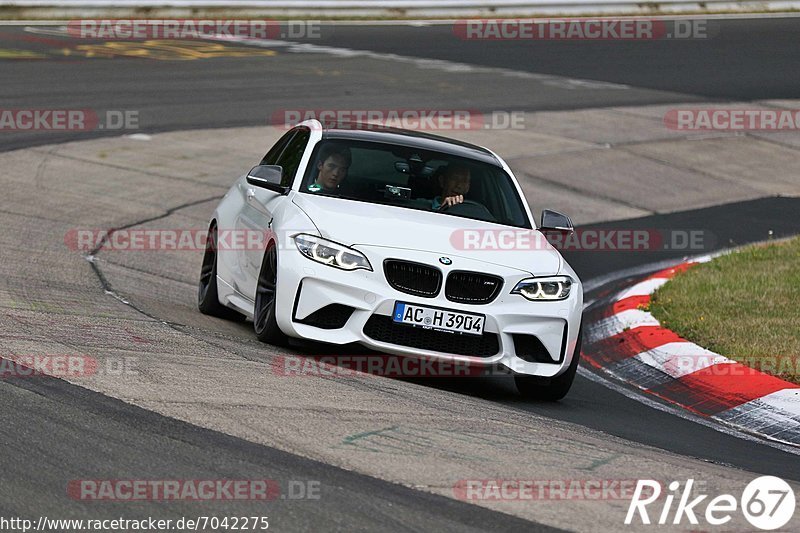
544	289
330	253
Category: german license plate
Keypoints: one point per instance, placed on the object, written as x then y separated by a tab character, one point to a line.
438	319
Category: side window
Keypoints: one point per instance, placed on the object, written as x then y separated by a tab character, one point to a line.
272	156
290	159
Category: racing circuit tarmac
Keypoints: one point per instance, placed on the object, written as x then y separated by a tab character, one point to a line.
206	402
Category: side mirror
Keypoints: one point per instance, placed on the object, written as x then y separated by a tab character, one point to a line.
267	177
555	221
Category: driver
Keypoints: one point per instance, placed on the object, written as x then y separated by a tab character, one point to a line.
334	161
455	184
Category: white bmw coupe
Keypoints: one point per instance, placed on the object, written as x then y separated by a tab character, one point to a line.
404	242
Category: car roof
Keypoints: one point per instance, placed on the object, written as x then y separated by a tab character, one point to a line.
415	139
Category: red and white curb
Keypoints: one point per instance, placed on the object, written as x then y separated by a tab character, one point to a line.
627	342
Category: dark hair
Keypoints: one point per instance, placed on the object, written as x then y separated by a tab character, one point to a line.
445	171
329	150
455	168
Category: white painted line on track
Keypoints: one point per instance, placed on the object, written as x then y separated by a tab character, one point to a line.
679	359
643	288
615	324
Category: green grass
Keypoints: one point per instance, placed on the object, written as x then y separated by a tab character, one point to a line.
744	305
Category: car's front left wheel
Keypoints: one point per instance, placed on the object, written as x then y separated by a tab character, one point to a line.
264	322
207	295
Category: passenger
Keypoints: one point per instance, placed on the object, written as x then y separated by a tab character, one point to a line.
455	184
334	161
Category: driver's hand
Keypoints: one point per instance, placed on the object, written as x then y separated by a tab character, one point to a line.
450	201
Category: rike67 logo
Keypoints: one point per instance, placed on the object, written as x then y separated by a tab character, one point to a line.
767	502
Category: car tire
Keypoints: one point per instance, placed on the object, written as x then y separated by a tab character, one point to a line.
264	322
550	389
207	295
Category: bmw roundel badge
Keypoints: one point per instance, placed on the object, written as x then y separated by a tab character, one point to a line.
445	261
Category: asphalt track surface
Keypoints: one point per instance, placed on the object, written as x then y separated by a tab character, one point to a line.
740	59
52	430
745	60
75	429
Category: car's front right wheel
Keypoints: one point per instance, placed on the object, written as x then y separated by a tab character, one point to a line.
550	389
264	322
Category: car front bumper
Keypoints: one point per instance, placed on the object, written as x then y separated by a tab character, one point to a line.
305	287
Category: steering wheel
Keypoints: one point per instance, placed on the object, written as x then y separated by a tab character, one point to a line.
471	209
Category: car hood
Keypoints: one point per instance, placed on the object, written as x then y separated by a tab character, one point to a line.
355	223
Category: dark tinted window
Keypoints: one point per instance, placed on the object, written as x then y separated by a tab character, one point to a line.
408	177
272	156
291	156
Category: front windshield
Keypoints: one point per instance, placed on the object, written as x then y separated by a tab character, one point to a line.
407	177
